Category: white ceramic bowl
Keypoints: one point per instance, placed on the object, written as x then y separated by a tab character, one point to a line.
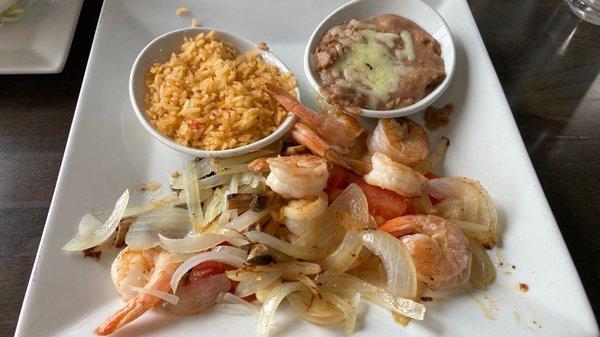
159	50
415	10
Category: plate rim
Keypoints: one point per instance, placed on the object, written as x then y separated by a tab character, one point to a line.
592	327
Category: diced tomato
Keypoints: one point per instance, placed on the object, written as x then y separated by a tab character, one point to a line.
209	268
194	125
339	179
383	204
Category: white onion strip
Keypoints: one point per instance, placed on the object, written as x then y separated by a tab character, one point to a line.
213	206
396	304
98	235
192	191
343	257
249	286
346	285
251	179
198	242
300	306
245	220
233	170
270	305
343	306
483	272
473	230
282	246
205	167
291	269
398	264
225	163
231	250
146	230
309	283
173	299
193	261
229	298
236	238
214	181
88	223
233	309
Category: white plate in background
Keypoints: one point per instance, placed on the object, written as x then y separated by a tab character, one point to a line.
39	43
108	151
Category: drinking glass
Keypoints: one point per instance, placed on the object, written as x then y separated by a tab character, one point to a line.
587	10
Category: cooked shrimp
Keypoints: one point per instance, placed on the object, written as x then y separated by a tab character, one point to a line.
298	177
298	214
404	141
132	268
339	130
156	265
434	158
294	150
394	176
466	200
303	134
259	165
439	249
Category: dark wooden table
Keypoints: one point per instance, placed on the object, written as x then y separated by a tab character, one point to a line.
548	63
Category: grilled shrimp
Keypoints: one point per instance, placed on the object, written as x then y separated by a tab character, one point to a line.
393	176
298	214
259	165
438	247
466	200
404	141
134	268
297	177
338	130
303	134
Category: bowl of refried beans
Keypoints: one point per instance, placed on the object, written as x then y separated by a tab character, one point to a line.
381	58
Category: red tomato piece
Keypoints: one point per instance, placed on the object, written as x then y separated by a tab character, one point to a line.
383	204
339	179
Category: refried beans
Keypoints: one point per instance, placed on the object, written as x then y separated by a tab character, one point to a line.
383	63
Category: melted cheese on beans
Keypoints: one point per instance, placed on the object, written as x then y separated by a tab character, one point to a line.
372	65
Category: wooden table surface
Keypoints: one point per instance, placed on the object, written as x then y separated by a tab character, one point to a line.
548	63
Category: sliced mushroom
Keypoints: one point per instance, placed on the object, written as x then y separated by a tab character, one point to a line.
93	252
261	255
122	230
252	201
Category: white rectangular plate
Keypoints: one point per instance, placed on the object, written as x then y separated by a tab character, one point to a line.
109	151
40	42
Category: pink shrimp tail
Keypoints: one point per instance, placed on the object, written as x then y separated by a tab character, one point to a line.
141	303
303	134
399	226
292	104
128	313
279	92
